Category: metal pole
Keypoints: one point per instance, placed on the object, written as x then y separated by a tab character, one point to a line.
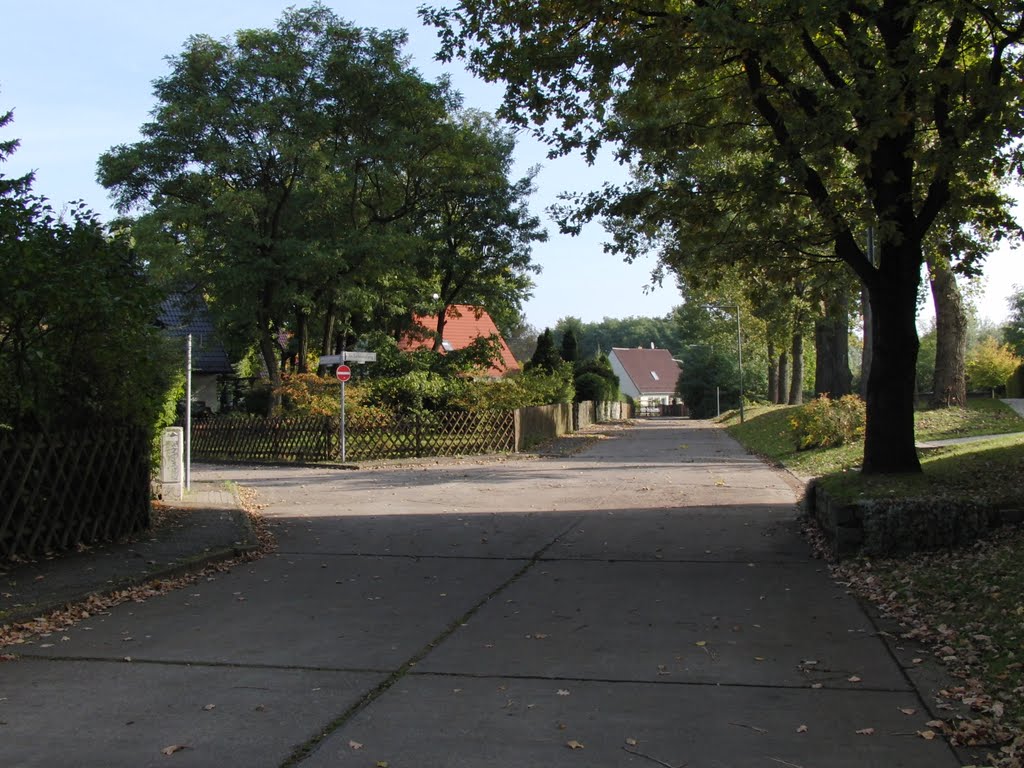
342	424
188	413
739	354
718	401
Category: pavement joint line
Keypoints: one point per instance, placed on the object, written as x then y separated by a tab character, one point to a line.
678	683
392	556
310	746
200	663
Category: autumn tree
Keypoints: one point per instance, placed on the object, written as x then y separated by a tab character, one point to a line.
991	364
870	110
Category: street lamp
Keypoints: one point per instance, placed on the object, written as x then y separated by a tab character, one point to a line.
739	345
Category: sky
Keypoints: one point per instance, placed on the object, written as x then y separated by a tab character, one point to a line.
79	79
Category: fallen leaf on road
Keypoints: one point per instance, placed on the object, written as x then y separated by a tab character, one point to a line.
562	692
172	749
853	679
866	731
908	710
929	735
802	729
701	643
573	744
208	707
632	742
355	745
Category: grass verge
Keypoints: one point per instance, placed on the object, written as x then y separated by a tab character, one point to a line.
967	605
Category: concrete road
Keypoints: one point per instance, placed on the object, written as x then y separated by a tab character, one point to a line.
646	602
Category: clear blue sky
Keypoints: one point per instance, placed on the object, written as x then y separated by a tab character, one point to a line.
78	76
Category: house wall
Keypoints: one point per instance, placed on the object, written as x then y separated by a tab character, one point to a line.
626	385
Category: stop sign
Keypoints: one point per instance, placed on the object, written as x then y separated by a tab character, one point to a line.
344	373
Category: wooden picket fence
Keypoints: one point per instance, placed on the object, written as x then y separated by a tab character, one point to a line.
367	438
62	489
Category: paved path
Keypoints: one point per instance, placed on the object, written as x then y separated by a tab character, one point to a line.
646	602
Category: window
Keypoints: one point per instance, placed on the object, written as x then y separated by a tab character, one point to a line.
655	376
447	346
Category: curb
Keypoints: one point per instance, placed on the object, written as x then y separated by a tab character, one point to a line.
188	564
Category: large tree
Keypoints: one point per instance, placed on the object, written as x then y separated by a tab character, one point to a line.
278	159
875	105
474	229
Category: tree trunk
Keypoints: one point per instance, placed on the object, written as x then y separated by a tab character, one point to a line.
949	384
328	339
442	321
302	340
889	440
796	387
783	378
773	373
832	346
865	357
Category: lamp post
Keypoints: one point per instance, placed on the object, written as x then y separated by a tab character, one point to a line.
739	345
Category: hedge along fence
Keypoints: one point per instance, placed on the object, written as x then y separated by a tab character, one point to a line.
375	437
62	489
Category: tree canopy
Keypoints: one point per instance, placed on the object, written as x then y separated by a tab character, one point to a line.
869	111
307	179
78	337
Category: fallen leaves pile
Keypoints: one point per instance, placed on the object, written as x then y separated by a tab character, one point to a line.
967	607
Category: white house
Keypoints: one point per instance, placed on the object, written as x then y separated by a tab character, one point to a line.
649	376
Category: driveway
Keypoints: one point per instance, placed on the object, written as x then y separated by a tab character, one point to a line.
648	601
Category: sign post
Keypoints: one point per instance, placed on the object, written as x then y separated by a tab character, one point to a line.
344	373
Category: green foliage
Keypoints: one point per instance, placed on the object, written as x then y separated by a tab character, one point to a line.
545	356
827	423
570	347
991	364
726	108
78	335
592	386
926	360
1013	330
595	380
414	392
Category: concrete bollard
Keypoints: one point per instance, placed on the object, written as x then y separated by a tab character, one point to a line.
172	463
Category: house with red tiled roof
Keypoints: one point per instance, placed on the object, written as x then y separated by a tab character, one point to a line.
649	376
463	324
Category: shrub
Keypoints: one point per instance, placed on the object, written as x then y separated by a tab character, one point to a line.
825	423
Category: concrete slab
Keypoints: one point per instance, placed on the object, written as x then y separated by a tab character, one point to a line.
301	610
736	533
124	714
713	623
460	722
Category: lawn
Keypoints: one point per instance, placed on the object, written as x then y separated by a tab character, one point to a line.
967	604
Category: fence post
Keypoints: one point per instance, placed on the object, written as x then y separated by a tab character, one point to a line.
416	431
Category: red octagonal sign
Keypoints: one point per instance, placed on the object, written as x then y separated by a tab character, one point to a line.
344	373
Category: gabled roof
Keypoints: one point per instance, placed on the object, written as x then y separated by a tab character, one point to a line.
652	371
182	314
463	325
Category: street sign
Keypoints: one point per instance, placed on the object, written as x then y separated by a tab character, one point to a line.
344	373
348	357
